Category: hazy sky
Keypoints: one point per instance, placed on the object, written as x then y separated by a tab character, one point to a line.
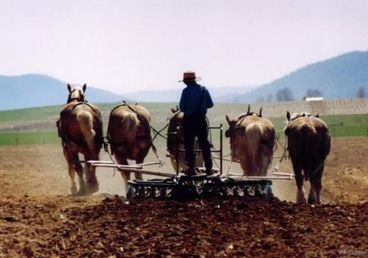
123	46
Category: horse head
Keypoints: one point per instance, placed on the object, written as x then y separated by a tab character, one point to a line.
232	126
236	123
76	93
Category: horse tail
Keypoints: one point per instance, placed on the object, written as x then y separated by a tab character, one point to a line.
253	133
129	122
309	134
85	120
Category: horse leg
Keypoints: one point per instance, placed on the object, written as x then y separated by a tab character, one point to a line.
90	172
244	165
312	193
121	159
71	171
74	160
126	176
299	179
266	161
138	175
316	186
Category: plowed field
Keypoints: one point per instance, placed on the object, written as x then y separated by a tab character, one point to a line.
38	218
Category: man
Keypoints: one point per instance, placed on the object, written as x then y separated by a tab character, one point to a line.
194	102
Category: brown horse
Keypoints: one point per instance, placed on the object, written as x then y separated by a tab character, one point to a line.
129	134
252	141
175	143
309	144
80	129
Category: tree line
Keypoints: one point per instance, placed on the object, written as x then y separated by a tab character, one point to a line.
286	94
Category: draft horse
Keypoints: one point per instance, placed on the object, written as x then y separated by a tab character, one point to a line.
129	135
309	144
175	143
252	142
80	129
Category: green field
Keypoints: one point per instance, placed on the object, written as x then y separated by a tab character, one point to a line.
22	130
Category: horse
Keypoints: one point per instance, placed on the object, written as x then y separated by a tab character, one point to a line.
175	143
80	129
129	135
252	142
309	144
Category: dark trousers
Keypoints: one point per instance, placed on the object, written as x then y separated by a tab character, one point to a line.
196	125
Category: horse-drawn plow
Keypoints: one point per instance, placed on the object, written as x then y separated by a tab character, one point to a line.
178	186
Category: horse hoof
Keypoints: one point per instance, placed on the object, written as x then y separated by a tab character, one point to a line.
312	201
74	190
301	200
79	193
92	188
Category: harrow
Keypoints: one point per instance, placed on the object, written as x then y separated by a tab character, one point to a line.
188	187
182	187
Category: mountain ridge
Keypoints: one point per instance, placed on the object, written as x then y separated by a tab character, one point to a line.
336	77
36	90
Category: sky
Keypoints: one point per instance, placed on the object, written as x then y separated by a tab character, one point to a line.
124	46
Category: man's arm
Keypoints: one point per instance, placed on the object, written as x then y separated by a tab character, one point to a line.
209	99
182	102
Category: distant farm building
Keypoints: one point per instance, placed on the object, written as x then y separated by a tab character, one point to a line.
310	99
316	104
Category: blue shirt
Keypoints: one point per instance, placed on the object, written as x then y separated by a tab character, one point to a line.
195	99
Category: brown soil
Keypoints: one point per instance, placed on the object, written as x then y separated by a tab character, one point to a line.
38	218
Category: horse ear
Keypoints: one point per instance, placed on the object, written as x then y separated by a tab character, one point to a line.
288	115
84	87
172	110
69	88
260	112
227	119
248	109
317	115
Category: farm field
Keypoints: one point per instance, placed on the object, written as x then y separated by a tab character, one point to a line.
37	125
38	217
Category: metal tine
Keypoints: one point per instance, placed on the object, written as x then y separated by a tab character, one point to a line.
98	162
102	163
256	178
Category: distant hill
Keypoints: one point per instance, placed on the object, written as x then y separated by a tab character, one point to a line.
338	77
35	90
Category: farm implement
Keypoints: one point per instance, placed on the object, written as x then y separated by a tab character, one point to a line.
178	186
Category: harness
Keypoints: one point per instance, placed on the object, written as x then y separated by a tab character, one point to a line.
142	119
63	122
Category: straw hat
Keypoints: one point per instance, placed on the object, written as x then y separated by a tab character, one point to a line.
190	76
